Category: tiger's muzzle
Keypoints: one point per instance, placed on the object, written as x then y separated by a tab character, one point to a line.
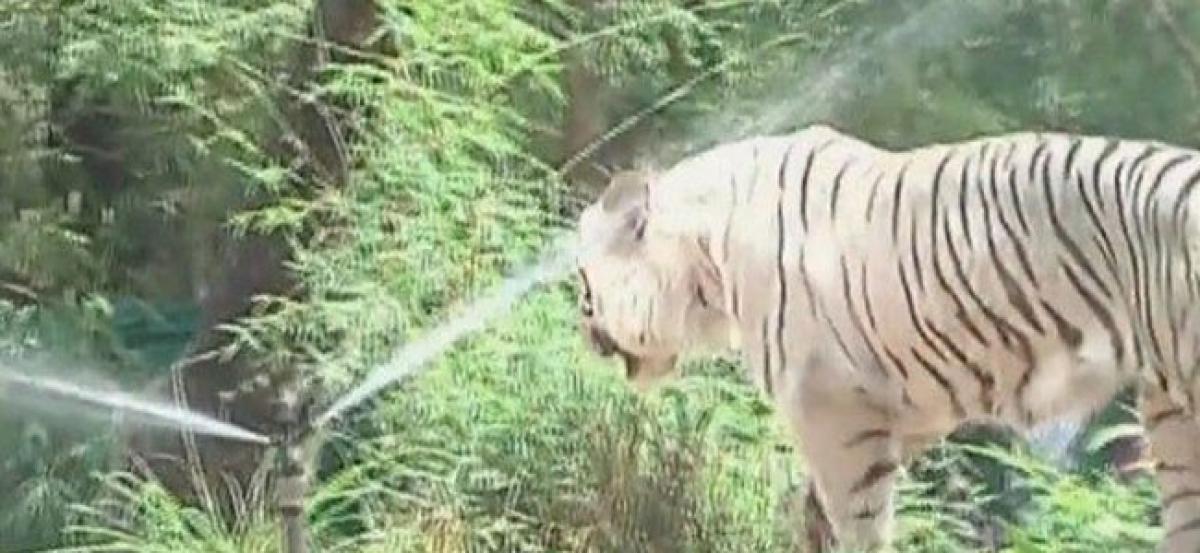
643	372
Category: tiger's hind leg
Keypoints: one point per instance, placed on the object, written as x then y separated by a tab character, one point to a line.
1175	442
852	454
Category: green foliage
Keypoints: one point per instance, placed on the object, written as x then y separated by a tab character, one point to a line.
443	198
1014	67
950	505
156	522
114	168
521	441
1078	512
40	474
506	446
517	440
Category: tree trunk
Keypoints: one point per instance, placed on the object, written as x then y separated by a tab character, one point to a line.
255	266
590	116
584	122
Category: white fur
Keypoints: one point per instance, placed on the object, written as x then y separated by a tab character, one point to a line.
711	235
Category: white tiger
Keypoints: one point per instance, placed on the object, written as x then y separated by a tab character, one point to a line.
884	298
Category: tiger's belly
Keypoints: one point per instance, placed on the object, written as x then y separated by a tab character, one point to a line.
971	341
1060	385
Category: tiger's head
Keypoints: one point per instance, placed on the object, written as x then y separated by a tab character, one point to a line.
649	291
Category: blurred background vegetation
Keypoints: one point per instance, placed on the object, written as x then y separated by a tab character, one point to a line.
197	192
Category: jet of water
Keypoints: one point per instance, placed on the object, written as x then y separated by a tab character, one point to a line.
819	89
148	412
411	357
938	25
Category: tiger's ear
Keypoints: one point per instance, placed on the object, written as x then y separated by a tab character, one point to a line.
629	188
626	201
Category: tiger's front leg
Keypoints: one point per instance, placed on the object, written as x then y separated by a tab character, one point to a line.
818	531
1175	442
852	454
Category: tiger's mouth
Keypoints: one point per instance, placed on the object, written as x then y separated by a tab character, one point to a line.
648	373
606	346
632	367
642	371
603	342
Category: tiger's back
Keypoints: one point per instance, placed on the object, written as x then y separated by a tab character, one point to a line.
1004	277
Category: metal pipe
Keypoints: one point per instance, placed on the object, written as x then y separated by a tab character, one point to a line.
292	484
291	503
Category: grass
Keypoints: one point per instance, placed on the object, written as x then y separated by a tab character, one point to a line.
519	440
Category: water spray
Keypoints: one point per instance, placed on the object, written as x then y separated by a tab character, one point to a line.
292	413
154	413
472	318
